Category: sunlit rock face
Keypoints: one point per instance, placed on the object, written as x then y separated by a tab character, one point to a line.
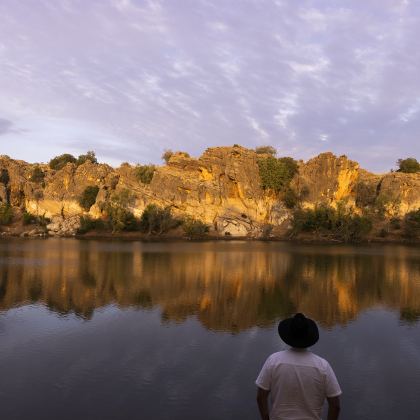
326	179
222	188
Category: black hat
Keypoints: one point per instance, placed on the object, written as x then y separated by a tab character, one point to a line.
299	331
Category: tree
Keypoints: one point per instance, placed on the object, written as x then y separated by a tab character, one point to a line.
89	156
194	228
409	165
156	220
276	174
6	214
144	173
59	162
119	216
37	174
167	155
88	197
266	150
412	224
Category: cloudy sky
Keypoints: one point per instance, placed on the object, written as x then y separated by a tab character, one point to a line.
129	78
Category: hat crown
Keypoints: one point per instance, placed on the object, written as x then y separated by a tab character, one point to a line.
299	324
298	331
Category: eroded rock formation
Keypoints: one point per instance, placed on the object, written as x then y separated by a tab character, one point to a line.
222	188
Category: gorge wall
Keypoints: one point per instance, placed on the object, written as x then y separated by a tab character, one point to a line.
221	188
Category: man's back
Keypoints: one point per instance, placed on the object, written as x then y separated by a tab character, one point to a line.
298	381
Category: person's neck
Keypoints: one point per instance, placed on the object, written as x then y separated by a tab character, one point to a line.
298	349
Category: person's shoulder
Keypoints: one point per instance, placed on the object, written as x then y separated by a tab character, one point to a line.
276	356
320	361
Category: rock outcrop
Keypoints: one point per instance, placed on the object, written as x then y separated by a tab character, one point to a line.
222	188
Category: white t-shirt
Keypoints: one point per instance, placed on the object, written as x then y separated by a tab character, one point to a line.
298	381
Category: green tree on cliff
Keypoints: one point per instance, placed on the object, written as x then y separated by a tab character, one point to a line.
59	162
276	174
409	165
89	156
266	150
117	210
88	197
166	155
144	173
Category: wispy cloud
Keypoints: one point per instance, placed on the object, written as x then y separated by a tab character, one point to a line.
132	77
5	126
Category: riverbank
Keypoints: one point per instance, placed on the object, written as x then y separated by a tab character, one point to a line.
178	236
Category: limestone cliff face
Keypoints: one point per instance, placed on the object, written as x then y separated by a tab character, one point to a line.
222	188
326	179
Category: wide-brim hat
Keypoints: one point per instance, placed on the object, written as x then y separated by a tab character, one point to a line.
298	331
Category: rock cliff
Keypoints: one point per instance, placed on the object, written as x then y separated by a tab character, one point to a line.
222	188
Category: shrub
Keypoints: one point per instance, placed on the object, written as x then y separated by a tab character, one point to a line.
89	156
87	224
167	155
6	214
395	223
194	228
121	219
338	224
266	150
37	174
28	218
4	176
276	174
116	209
156	220
383	233
409	165
59	162
365	194
290	198
88	197
412	224
266	230
144	173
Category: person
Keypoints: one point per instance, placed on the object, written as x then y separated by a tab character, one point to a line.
297	380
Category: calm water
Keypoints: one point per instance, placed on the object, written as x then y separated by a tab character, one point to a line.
118	330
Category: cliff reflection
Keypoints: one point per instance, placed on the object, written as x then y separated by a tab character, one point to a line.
228	287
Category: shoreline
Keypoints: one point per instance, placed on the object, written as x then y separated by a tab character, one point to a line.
135	236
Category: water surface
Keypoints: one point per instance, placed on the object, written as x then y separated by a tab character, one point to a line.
130	330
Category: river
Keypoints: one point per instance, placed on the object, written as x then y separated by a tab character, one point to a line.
179	330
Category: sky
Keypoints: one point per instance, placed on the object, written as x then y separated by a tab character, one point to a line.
130	78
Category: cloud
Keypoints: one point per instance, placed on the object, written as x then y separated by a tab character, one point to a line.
152	75
6	126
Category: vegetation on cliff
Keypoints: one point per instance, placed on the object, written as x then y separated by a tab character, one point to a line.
59	162
37	174
412	224
117	212
276	174
195	229
144	173
338	224
6	214
266	150
157	221
88	197
408	166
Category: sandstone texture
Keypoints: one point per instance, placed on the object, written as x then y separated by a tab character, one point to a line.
221	188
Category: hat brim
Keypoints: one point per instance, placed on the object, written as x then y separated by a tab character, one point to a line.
308	339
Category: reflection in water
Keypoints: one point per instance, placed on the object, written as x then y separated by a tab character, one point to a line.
228	286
